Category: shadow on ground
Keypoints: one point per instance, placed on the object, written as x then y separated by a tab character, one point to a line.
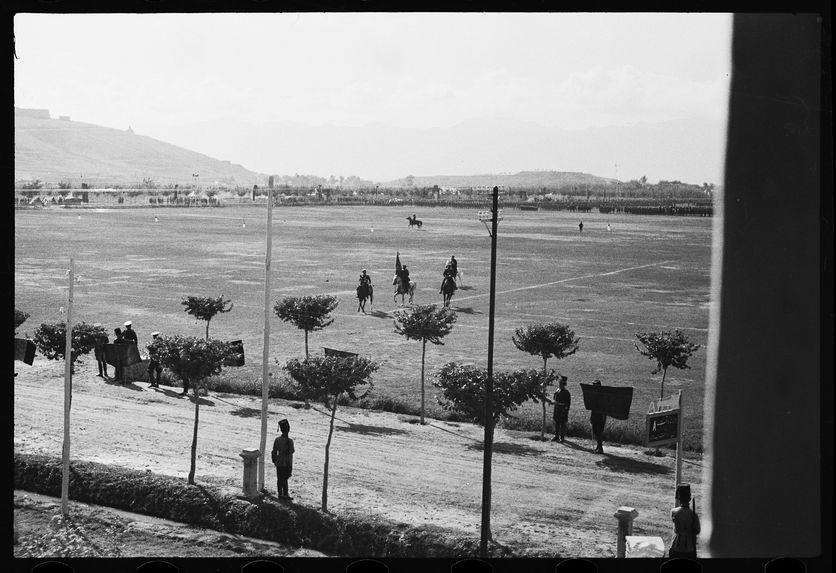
508	448
379	314
371	430
245	412
466	310
631	465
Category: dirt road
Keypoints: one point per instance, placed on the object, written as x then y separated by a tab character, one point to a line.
548	498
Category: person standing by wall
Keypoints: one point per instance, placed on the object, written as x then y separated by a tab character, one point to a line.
598	420
99	353
282	456
130	333
686	525
562	402
120	370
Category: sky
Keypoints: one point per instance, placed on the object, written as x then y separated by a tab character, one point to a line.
418	70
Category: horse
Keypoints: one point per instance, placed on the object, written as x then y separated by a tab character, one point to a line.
403	291
364	291
448	287
414	221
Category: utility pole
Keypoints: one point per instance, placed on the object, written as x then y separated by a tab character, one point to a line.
265	376
488	441
68	388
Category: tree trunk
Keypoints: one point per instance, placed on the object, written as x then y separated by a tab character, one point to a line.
194	435
423	354
207	329
306	344
543	427
327	454
662	391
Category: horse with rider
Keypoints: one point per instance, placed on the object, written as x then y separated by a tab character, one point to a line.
448	283
404	285
364	291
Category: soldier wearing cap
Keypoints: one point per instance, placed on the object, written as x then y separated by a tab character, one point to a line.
154	363
282	456
120	339
562	401
686	525
130	333
99	352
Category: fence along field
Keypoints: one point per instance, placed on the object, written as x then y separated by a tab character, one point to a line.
647	273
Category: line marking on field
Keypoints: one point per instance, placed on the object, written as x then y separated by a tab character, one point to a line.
567	280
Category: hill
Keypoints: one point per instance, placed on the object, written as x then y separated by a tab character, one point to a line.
54	150
523	179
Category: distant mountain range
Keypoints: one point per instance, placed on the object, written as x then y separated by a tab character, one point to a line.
55	150
686	150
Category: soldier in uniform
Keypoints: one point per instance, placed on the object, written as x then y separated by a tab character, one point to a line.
686	525
130	333
99	353
154	364
562	401
365	279
282	456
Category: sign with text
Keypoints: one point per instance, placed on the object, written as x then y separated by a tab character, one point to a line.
613	401
663	421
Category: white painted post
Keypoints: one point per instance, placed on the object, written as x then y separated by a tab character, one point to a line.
265	378
250	457
68	388
625	516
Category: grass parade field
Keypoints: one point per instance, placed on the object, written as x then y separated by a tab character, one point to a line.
647	273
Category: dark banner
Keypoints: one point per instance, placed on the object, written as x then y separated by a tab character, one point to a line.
237	356
25	350
121	354
614	401
340	353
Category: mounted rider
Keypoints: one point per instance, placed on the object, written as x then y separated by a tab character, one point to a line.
450	272
365	279
404	278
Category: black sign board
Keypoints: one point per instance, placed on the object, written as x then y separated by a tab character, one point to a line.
613	401
122	354
340	353
237	356
663	428
25	350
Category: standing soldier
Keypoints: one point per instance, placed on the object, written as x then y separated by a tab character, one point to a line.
686	525
154	363
130	334
282	456
99	353
562	401
580	226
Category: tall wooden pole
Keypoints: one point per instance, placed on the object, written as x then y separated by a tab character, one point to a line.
68	389
265	372
678	476
488	441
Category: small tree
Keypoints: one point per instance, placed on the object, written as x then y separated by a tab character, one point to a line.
667	349
20	318
426	323
205	308
51	340
548	340
326	378
193	360
463	390
308	313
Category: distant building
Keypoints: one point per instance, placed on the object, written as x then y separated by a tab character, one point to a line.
34	113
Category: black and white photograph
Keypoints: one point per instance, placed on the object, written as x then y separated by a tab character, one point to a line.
456	285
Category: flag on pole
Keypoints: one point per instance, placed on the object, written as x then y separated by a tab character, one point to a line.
614	401
397	263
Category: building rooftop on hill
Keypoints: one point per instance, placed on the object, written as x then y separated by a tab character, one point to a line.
35	113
